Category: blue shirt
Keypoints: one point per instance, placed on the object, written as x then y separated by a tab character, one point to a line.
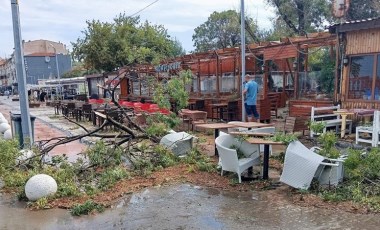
251	94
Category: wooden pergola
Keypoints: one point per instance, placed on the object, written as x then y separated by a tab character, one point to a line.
210	69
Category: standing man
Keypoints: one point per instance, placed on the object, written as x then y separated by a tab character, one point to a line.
250	92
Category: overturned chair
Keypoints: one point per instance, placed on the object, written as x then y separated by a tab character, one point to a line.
229	157
301	165
179	143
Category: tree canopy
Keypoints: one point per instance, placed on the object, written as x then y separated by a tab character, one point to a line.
303	17
107	46
222	30
361	9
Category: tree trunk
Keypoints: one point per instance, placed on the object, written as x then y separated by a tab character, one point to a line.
301	17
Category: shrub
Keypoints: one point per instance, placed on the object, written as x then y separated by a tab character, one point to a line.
9	151
101	155
86	208
109	177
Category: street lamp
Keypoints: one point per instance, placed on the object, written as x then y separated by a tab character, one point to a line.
56	66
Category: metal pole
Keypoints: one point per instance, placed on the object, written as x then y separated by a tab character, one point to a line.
58	75
20	72
242	31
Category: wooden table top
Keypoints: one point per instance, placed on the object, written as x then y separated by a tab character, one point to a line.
216	126
250	124
192	111
343	112
261	141
219	105
252	134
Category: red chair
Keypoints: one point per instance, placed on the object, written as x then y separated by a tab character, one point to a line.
127	104
164	111
145	107
91	101
99	101
139	104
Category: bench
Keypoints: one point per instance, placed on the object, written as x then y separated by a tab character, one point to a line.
327	115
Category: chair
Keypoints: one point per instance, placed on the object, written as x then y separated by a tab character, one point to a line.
230	111
273	104
69	109
179	143
198	118
86	112
229	158
301	165
373	131
199	104
185	118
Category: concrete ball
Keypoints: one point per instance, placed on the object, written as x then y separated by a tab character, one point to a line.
8	134
3	120
40	185
4	127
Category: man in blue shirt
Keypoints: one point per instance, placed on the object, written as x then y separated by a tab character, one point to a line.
250	91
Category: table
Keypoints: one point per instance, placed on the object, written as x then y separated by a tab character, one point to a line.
219	109
252	134
250	125
216	127
266	143
343	114
194	116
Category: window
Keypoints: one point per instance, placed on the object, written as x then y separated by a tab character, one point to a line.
360	83
208	84
227	83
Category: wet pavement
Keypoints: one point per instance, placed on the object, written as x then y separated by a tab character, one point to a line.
188	207
47	126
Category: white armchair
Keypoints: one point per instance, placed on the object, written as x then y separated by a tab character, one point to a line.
301	165
229	158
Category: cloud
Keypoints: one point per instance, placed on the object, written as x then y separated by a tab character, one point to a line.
64	20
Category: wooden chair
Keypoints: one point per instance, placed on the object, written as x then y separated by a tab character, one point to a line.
85	112
198	118
200	105
230	113
273	104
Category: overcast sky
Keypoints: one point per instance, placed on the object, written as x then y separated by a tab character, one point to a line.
63	20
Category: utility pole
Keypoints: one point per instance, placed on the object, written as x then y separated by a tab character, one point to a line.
20	73
242	36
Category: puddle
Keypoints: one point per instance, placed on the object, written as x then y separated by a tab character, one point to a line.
187	207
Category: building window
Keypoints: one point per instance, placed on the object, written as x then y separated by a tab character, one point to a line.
361	79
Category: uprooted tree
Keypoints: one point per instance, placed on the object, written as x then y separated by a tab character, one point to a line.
131	150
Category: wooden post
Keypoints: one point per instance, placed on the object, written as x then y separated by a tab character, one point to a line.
199	78
217	74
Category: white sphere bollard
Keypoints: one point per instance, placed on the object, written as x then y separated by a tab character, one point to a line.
4	127
3	120
8	134
39	186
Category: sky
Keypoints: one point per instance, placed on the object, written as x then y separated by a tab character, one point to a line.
64	21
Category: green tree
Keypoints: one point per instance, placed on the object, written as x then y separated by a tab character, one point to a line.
302	16
107	46
222	30
361	9
320	59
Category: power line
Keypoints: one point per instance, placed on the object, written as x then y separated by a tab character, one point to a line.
143	8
